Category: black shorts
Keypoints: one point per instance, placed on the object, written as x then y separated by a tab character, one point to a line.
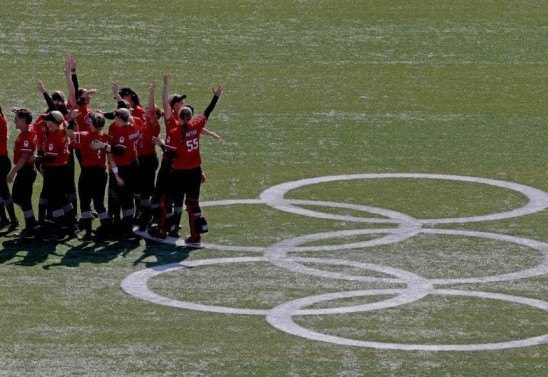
22	187
186	183
5	167
147	173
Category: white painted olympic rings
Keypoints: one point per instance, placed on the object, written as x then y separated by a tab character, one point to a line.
416	287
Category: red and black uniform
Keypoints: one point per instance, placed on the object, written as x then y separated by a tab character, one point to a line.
41	133
112	195
124	153
56	175
93	177
186	175
25	145
6	201
163	198
138	112
148	164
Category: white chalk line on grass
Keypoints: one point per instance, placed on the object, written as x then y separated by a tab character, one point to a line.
538	199
281	317
417	287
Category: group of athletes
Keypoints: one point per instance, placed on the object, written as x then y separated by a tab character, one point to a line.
122	162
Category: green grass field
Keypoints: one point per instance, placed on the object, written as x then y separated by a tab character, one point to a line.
313	89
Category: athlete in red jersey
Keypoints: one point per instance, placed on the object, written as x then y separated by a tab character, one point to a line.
6	201
163	199
183	143
130	97
93	176
123	161
148	160
23	171
57	102
56	174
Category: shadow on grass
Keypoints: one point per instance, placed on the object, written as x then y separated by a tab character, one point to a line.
97	253
162	253
36	251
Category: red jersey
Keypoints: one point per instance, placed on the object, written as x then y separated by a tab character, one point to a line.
124	137
90	156
57	145
40	130
172	123
138	112
25	143
83	120
187	144
147	131
3	136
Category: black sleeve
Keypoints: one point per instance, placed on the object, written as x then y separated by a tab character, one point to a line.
170	155
75	82
123	105
117	150
211	106
49	101
109	115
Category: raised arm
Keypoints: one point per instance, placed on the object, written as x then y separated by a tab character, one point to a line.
87	94
71	64
47	97
72	123
165	97
217	93
116	91
72	81
151	106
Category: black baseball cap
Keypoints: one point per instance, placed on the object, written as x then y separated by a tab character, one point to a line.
123	114
176	98
125	92
58	96
55	117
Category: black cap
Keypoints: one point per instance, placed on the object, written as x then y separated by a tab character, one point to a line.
54	116
125	92
58	96
123	114
176	98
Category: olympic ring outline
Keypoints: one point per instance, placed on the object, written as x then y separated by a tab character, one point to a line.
280	317
538	200
136	285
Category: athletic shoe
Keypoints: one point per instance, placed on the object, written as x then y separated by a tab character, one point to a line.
26	234
193	242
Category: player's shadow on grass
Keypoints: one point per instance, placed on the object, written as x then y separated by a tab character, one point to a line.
97	253
36	252
157	254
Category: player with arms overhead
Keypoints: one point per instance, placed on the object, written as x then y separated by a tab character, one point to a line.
183	143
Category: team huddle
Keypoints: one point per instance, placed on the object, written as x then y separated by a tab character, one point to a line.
121	164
